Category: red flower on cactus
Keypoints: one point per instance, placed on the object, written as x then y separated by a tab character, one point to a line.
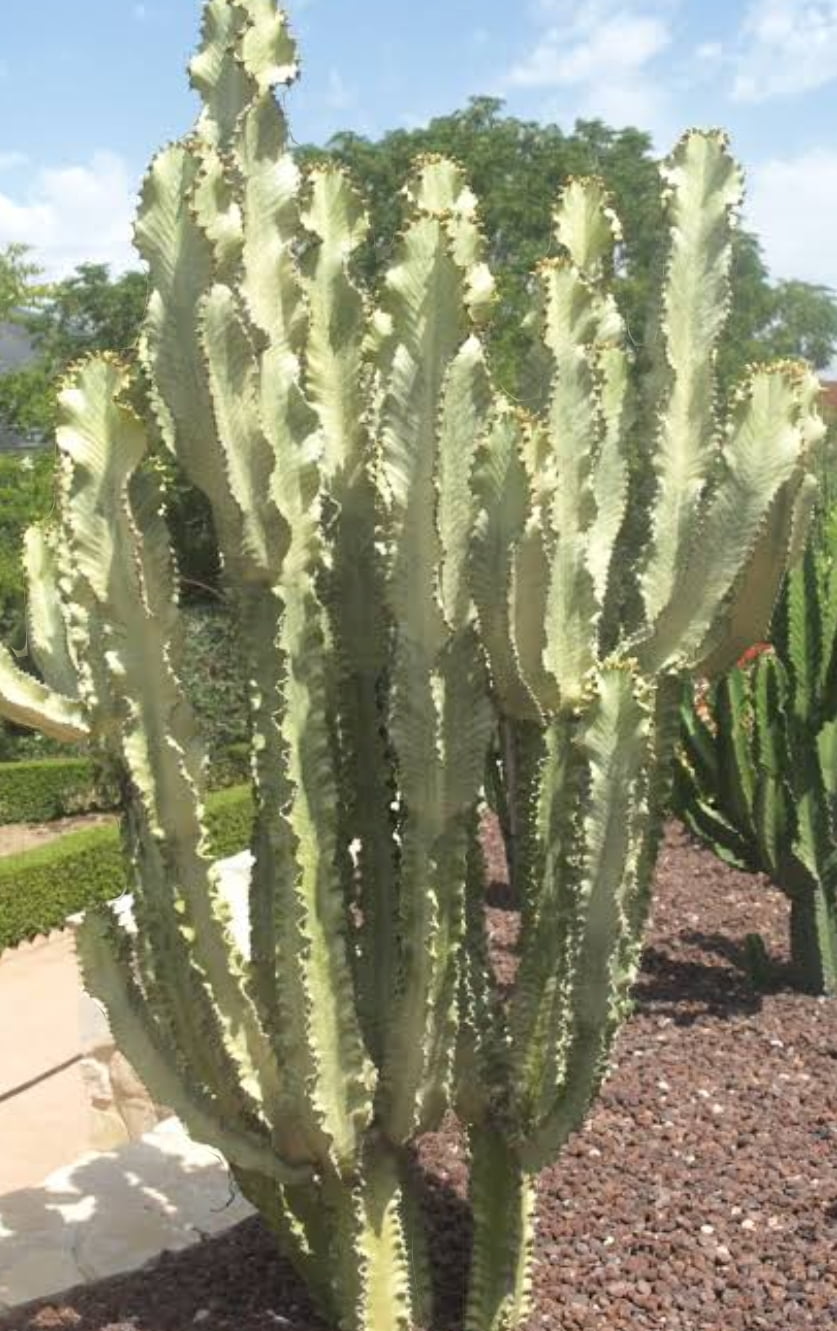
753	652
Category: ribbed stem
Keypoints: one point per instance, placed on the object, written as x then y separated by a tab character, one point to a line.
357	1244
813	938
502	1199
300	1223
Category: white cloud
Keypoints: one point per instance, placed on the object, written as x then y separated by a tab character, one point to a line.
786	47
74	214
622	47
710	52
12	158
791	206
600	51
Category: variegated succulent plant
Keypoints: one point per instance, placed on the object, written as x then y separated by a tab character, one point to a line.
412	558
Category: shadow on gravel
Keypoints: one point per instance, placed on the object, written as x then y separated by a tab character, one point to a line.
449	1229
778	975
689	991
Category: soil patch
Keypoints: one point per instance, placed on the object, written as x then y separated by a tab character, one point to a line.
701	1195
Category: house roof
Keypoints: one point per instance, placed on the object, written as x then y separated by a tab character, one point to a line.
16	347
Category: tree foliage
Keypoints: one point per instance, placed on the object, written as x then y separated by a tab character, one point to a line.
17	284
25	497
88	311
516	168
803	323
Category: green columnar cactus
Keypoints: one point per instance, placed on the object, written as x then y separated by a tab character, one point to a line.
411	558
756	776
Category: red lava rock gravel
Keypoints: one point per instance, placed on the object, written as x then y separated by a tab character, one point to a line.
701	1195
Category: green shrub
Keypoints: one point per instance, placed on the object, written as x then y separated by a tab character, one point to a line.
46	788
37	792
229	820
40	888
230	767
212	674
26	490
19	745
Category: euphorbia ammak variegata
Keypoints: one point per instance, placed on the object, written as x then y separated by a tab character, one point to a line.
411	557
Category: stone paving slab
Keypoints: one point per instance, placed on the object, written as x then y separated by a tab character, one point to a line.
44	1111
60	1093
113	1212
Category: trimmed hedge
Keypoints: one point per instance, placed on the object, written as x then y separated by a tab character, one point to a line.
40	888
47	788
229	766
40	790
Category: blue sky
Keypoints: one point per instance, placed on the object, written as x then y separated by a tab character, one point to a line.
89	89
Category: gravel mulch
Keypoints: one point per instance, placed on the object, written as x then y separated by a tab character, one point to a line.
701	1195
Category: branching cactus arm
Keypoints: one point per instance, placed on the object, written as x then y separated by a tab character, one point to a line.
51	705
722	518
762	487
266	511
27	702
608	721
338	385
434	396
107	965
117	544
702	189
47	628
298	938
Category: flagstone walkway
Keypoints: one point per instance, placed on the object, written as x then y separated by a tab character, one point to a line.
69	1213
113	1212
45	1118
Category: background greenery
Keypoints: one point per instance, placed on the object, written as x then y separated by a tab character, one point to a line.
42	789
40	888
516	168
47	788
